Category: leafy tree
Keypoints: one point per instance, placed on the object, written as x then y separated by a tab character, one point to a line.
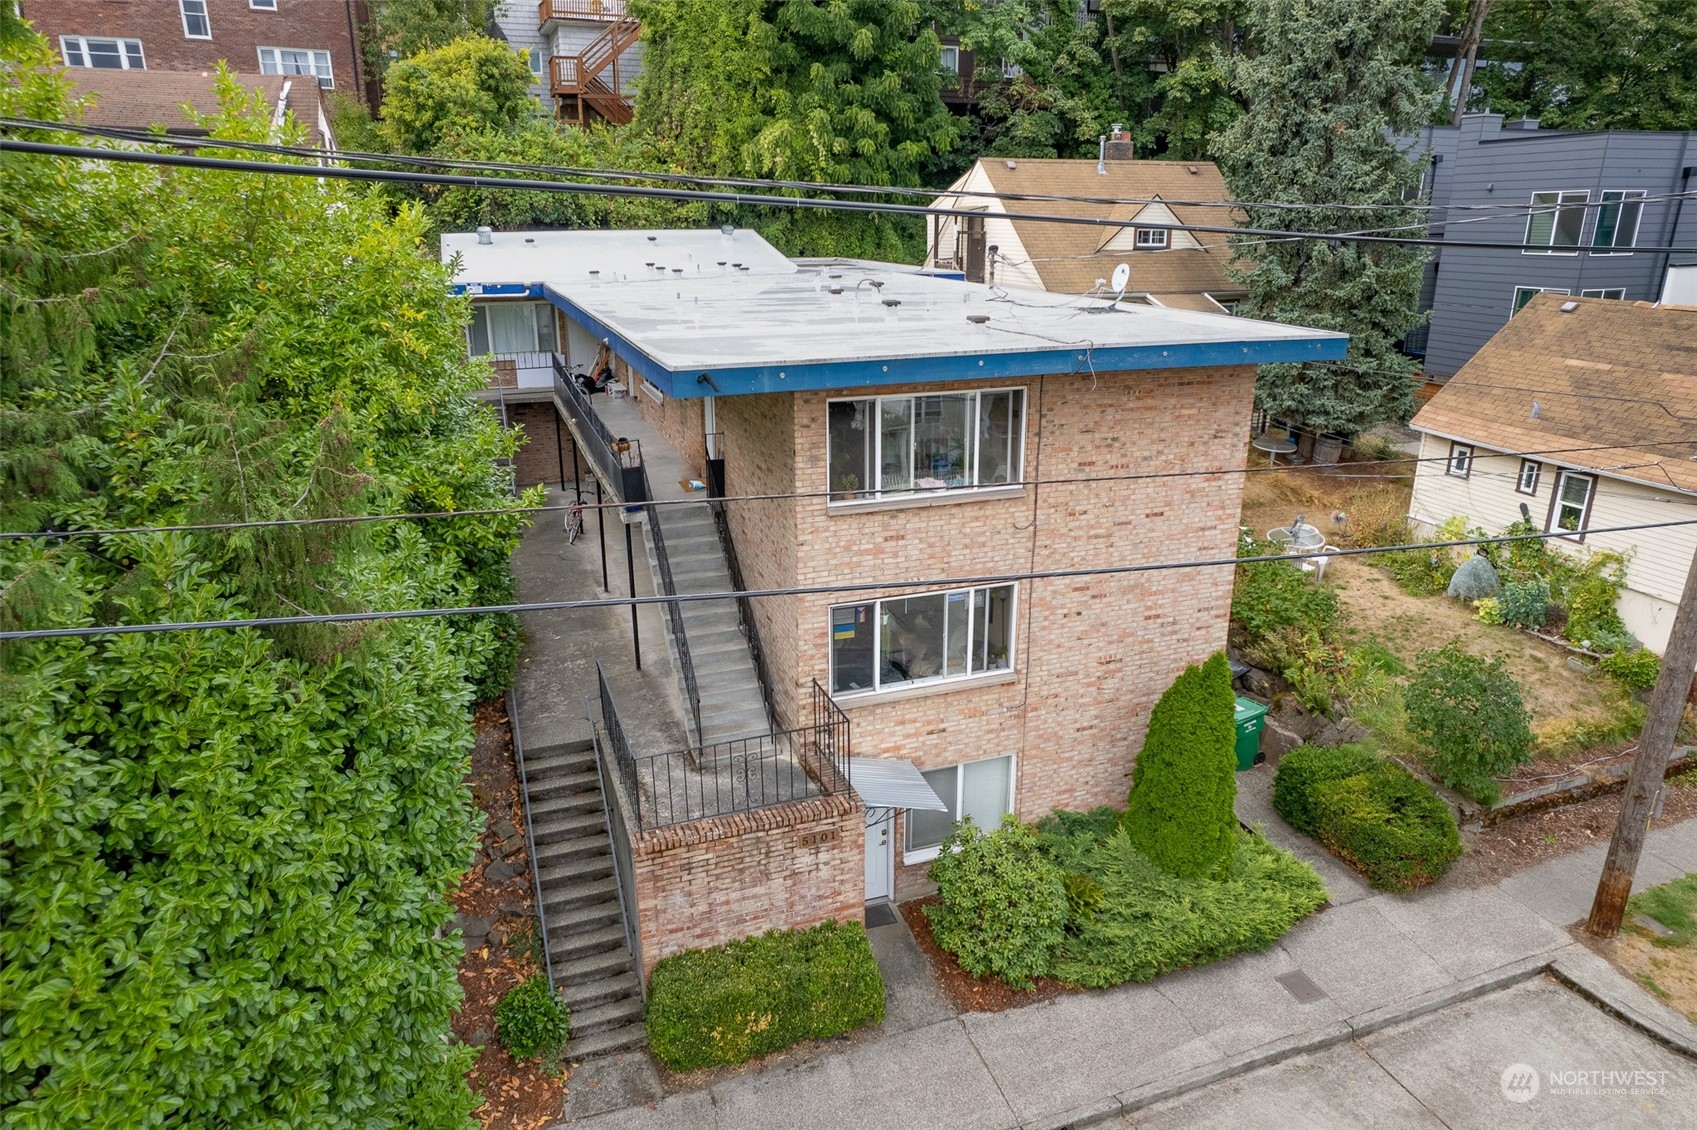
1180	811
464	86
1329	84
1603	64
227	854
1469	713
399	28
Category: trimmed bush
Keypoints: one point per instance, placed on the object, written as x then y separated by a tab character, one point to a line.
1637	670
1468	714
1388	825
1525	604
532	1020
759	995
1180	811
1303	770
1003	905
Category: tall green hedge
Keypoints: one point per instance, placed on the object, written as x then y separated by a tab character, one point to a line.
1180	811
759	995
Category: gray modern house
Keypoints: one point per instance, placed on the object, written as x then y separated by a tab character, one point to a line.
1586	200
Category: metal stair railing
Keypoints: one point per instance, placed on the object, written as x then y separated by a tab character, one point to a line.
745	610
619	460
530	837
674	609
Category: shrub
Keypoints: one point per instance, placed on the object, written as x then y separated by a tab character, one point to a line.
1270	595
1303	770
1620	719
1389	825
1084	899
532	1020
759	995
1418	572
1184	782
1475	580
1468	713
1636	670
1590	594
1003	904
1525	604
1378	515
1488	611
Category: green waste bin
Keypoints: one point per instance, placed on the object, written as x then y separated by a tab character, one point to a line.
1251	716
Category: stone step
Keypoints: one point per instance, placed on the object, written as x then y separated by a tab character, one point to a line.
599	990
585	916
561	901
601	1017
557	852
563	784
557	827
565	804
576	871
592	967
605	1043
583	943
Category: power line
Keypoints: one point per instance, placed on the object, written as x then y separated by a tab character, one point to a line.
220	164
806	590
1082	480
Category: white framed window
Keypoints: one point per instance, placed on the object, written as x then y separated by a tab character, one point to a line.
538	62
904	641
262	5
895	445
951	59
1153	238
1523	295
982	790
1617	221
1530	472
297	61
1616	292
1570	507
102	54
1229	305
196	23
511	327
1461	460
1556	222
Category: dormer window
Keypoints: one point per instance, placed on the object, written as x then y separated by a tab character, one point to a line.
1151	239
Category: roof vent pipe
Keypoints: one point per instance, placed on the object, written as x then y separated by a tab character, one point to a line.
1102	155
485	236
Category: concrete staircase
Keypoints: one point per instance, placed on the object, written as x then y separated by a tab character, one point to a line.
732	706
580	901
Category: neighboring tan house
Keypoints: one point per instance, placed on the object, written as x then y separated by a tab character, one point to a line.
141	100
584	55
1584	412
1177	269
316	39
900	428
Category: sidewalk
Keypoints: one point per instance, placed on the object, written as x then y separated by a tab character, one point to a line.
1373	957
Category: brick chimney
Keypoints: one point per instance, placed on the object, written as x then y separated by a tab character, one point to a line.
1119	144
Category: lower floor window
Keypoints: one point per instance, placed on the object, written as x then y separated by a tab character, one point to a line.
882	644
982	790
1572	505
297	61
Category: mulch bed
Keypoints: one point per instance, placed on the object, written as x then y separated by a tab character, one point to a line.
969	993
1525	841
1543	770
516	1096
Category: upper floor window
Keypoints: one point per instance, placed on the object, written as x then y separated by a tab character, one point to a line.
883	445
538	60
1530	472
512	327
196	23
263	5
1154	238
104	54
1617	221
297	61
1556	222
1616	292
951	59
1461	461
879	645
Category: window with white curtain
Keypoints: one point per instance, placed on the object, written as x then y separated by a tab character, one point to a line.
512	327
982	790
297	61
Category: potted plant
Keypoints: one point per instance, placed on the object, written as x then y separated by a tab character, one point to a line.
848	486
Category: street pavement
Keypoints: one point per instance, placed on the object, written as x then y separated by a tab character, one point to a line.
1404	989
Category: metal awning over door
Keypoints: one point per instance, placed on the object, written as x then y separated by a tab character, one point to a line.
886	784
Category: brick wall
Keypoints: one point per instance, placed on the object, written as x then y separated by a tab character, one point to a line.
238	31
679	422
714	881
539	456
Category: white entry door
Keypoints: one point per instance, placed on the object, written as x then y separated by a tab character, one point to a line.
881	858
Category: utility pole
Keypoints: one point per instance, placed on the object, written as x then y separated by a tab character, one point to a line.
1649	766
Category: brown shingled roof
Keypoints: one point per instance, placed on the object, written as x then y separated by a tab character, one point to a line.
1066	256
1608	373
141	99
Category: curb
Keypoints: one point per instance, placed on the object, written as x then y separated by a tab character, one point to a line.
1566	970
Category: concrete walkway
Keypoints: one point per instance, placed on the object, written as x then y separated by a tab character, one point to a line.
1373	959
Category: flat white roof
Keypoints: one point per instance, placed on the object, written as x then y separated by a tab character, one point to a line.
701	313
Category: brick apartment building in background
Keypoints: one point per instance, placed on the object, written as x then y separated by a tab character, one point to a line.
319	38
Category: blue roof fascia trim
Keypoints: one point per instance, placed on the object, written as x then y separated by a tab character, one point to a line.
754	380
498	290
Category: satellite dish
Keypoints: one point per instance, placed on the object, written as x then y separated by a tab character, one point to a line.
1122	276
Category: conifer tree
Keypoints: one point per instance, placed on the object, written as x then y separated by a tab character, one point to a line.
1180	810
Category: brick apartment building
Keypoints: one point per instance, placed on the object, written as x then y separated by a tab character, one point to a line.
319	38
926	437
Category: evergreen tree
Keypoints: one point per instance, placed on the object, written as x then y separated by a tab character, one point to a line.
1330	84
1180	812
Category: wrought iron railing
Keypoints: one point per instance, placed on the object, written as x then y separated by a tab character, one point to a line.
530	837
736	776
674	610
619	460
745	610
624	874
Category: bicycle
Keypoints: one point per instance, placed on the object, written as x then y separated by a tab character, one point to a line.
574	521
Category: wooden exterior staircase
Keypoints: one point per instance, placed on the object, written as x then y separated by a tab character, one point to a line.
577	82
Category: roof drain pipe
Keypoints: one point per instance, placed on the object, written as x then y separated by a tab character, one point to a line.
1102	155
